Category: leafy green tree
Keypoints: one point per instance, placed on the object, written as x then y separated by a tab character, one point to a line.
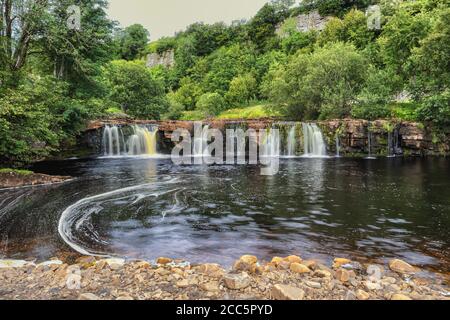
436	109
262	27
133	88
224	65
242	90
211	104
133	41
323	84
351	28
30	129
188	93
429	64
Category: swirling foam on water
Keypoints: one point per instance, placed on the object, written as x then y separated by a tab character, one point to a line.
76	219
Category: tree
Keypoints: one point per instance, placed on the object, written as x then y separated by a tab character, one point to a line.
211	104
132	87
133	41
429	64
262	27
242	90
351	28
323	84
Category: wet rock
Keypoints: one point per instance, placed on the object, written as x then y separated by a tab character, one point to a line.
285	292
293	259
50	263
237	281
164	261
246	263
113	263
339	262
88	296
299	268
311	264
401	267
276	261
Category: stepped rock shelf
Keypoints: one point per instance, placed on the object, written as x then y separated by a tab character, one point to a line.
346	137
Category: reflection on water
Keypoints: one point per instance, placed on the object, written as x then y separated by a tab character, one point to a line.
145	208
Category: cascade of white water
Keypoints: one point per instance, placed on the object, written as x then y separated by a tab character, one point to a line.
291	141
142	142
271	144
112	141
201	143
314	142
338	147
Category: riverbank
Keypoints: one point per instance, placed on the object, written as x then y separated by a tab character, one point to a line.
10	178
289	278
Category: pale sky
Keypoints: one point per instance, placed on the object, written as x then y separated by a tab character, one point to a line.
165	17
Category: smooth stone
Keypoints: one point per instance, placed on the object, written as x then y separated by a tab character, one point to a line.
343	275
88	296
339	262
362	295
246	263
402	267
313	284
372	286
164	261
237	281
299	268
400	297
210	286
293	259
284	292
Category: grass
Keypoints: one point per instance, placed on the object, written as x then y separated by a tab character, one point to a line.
252	112
16	171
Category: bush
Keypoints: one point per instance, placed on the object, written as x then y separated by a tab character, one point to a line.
436	109
211	104
132	86
242	90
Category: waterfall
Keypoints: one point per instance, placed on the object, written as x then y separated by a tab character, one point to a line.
112	141
200	143
391	151
314	142
291	142
271	144
142	142
338	147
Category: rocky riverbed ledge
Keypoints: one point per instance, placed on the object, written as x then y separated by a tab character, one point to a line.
290	278
14	179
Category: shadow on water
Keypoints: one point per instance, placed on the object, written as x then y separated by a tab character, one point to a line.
320	208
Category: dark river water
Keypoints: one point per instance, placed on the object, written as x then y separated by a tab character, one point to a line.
316	208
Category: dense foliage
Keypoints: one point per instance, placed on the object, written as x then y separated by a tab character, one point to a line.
54	78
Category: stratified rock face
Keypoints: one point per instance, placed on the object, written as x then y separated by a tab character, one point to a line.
166	59
311	21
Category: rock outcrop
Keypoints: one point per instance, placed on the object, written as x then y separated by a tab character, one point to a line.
166	59
353	137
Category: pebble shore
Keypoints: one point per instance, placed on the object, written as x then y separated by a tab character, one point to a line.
284	278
